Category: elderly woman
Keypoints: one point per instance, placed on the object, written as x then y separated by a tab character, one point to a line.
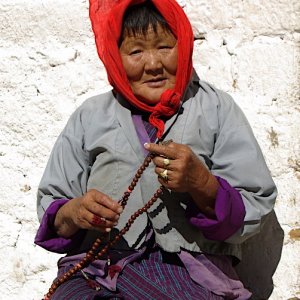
204	173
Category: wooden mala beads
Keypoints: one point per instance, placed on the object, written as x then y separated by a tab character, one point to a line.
92	253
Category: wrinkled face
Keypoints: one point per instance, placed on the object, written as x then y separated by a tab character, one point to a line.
150	62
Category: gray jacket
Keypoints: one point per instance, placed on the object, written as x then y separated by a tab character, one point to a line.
99	149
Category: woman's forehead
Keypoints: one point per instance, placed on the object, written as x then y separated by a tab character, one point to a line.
152	33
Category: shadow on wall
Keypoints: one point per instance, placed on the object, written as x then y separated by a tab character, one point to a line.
260	257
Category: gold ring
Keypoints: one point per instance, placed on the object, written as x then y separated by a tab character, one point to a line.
166	162
164	175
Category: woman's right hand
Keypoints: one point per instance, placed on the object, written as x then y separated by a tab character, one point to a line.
94	210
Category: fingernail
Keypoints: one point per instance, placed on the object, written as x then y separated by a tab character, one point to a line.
146	145
108	229
116	223
119	210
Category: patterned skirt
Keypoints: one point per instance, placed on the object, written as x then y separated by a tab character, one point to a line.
156	277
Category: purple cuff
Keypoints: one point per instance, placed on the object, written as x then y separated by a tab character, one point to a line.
229	210
47	237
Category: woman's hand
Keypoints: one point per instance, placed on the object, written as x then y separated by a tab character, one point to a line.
94	210
180	170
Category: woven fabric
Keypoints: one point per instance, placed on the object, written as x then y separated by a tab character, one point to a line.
156	277
107	27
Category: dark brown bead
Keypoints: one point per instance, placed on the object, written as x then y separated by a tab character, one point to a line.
117	238
85	260
72	271
140	171
61	280
102	252
140	211
123	231
157	194
136	214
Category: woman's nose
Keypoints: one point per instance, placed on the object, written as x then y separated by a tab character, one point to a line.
153	62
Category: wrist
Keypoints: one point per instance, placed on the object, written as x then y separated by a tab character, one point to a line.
64	223
204	194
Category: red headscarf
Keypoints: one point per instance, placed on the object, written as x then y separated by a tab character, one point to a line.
107	18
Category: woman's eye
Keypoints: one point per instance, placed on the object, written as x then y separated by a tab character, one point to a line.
164	47
133	52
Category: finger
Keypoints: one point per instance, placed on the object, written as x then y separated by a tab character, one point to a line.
87	220
106	201
163	174
101	223
163	162
163	150
106	213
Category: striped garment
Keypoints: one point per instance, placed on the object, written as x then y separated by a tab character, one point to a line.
158	276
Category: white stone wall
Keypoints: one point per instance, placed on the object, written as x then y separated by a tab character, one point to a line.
49	65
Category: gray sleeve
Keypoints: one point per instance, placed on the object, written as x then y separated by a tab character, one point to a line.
237	158
67	170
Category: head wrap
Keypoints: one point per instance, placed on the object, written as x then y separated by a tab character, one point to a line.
107	19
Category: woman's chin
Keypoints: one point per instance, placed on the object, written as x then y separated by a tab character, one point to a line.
150	100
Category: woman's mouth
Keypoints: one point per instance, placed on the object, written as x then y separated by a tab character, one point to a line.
156	82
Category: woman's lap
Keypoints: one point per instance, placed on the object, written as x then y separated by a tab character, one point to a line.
148	279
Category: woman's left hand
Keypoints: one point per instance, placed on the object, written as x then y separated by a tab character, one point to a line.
183	169
180	170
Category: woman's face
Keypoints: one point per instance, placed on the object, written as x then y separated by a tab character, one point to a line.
150	63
